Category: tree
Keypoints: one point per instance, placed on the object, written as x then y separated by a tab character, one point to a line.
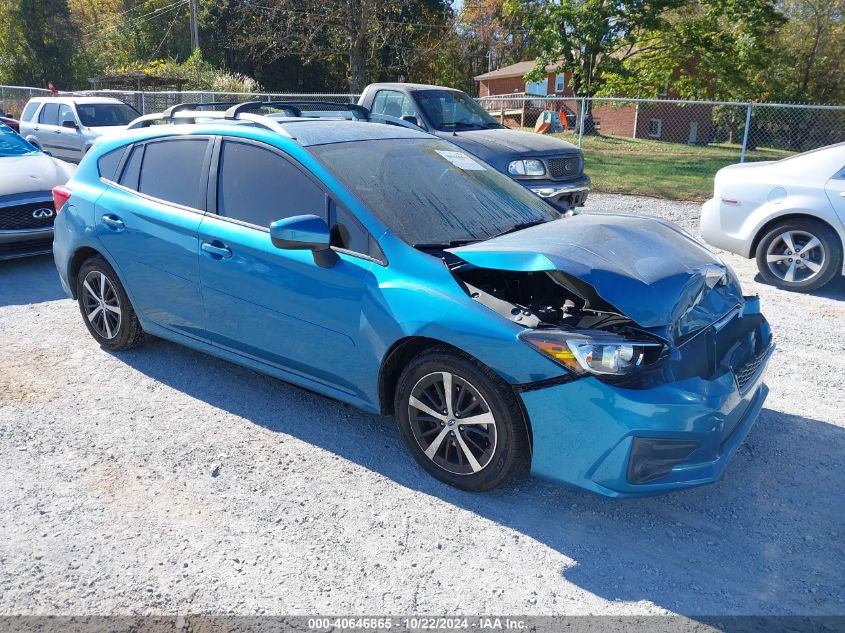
590	38
717	49
350	32
37	43
810	60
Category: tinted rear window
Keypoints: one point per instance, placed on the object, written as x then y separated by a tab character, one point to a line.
107	164
172	171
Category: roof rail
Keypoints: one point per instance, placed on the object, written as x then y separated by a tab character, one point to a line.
294	107
179	107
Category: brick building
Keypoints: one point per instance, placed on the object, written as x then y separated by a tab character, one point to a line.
672	122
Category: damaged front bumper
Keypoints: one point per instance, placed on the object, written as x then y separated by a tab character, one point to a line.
623	442
570	194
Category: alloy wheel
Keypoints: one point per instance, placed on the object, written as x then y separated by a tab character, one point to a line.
795	256
102	304
452	423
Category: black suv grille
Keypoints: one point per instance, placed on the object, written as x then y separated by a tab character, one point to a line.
21	216
564	167
746	372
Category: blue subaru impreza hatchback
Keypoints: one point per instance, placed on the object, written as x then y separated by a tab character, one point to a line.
387	268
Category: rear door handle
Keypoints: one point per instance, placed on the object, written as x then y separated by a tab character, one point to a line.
113	222
217	249
842	193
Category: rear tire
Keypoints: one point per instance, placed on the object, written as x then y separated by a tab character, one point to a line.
801	255
475	440
105	307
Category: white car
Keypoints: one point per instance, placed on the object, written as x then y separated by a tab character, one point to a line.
789	214
27	177
66	127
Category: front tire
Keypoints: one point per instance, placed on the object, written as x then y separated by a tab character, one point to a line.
460	421
105	307
800	255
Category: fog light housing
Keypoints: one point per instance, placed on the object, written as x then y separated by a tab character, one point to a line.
652	459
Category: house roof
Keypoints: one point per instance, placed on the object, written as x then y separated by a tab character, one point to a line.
514	70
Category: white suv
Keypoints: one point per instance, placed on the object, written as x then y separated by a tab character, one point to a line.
67	126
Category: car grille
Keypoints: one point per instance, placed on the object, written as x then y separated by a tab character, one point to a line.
30	247
21	216
745	373
564	167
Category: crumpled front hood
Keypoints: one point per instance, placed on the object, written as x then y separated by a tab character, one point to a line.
646	269
514	141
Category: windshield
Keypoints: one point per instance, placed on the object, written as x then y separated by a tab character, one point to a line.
428	191
13	144
105	114
450	109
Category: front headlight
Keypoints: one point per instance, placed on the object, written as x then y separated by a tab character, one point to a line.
528	167
594	352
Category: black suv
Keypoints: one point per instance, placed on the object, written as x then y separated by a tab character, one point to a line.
550	167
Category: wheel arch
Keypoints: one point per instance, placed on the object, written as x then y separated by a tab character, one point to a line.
403	352
80	256
794	215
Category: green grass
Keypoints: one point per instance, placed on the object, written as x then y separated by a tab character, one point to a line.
653	168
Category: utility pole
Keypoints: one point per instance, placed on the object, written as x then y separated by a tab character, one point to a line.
195	26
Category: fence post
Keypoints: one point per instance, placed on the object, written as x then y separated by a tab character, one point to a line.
143	102
745	134
581	121
522	117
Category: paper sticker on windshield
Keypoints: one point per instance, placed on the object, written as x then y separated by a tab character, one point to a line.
461	160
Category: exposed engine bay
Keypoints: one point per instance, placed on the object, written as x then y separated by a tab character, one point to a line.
540	299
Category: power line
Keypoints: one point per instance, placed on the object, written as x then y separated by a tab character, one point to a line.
115	16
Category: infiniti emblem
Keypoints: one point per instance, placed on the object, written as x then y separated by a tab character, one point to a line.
43	212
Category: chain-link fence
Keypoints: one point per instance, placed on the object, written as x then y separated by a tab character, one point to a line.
662	147
14	98
670	147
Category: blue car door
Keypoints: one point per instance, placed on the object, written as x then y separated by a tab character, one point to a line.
148	221
277	306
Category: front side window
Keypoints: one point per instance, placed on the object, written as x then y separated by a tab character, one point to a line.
49	114
105	114
451	109
65	114
172	171
393	103
258	186
428	191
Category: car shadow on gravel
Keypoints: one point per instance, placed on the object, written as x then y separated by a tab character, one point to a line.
766	539
29	280
834	289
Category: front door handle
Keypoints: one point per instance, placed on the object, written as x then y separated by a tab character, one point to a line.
217	249
113	222
842	193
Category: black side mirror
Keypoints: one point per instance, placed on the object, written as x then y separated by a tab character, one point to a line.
70	124
410	118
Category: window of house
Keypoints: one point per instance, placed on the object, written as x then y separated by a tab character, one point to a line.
172	171
259	186
537	87
560	82
655	128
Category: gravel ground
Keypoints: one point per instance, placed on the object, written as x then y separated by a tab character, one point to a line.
161	481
